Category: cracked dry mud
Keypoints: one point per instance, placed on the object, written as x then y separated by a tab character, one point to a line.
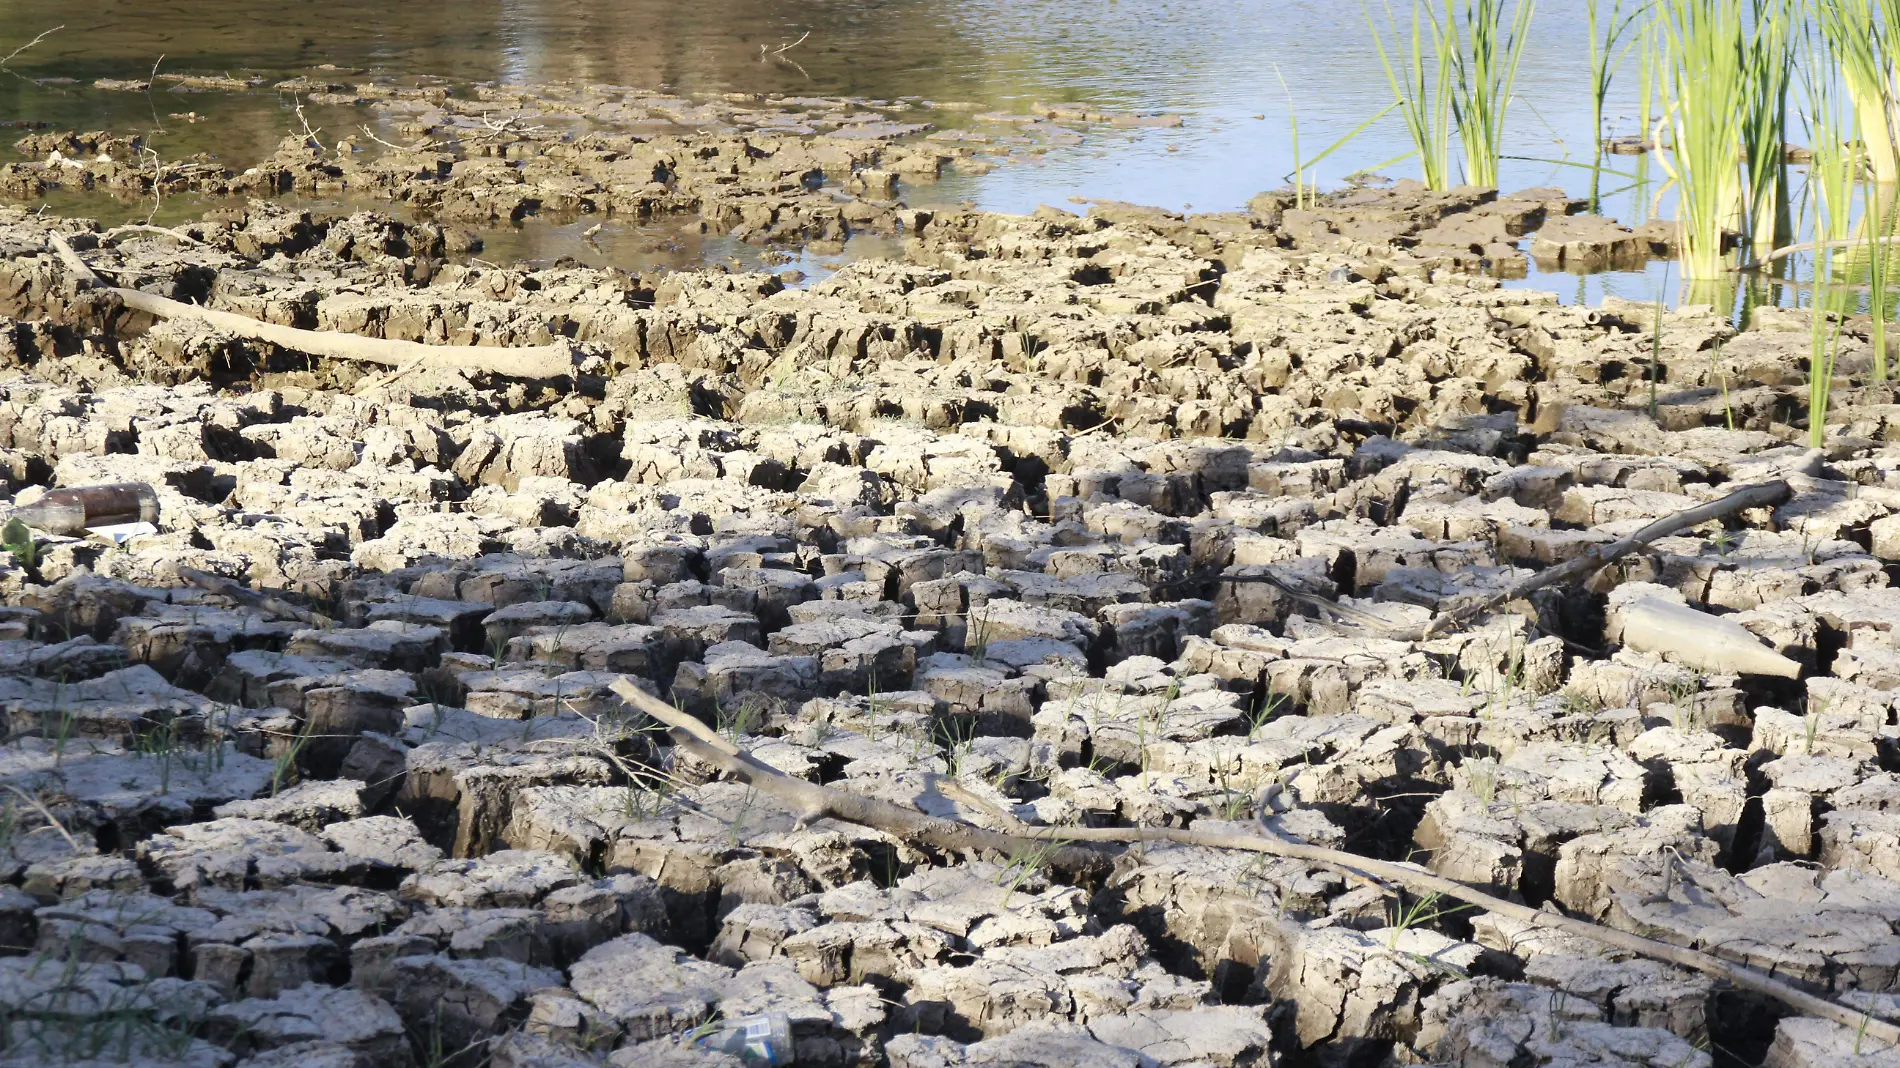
976	531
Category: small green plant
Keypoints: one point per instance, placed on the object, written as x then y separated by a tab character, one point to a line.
284	768
736	720
976	642
1811	725
1269	705
1705	89
1024	862
1578	703
1304	192
17	539
1608	50
1483	778
956	745
1419	912
1862	37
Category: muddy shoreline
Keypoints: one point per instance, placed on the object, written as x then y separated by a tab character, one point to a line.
980	531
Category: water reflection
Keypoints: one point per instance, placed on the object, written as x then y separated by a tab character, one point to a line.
1236	72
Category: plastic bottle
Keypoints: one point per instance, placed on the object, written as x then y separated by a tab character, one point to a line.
763	1039
73	511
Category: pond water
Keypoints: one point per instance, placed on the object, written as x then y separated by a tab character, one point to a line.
1236	71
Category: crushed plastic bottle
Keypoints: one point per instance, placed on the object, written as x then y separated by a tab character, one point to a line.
74	511
762	1039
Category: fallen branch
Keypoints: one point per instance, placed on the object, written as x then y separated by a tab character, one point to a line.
558	360
244	595
813	801
1809	246
1766	494
145	228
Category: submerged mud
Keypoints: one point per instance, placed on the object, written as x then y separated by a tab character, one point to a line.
983	530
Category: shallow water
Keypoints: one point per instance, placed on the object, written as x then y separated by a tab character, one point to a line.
1237	72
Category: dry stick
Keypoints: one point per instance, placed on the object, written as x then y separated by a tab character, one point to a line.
145	228
813	801
1763	495
244	595
1810	246
542	361
1580	567
11	56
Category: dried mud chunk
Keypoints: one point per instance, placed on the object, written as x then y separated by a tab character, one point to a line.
509	878
1043	1045
1806	1042
388	645
308	806
238	853
365	1025
1489	1022
118	705
464	1001
754	932
1365	986
649	989
388	840
1218	1035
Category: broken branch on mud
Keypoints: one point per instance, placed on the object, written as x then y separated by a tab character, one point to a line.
813	801
1581	567
562	359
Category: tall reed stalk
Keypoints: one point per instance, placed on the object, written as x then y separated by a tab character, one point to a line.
1768	69
1832	175
1704	87
1608	50
1486	55
1876	222
1863	36
1423	92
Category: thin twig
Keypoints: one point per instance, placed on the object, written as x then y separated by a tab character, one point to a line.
30	44
1810	246
146	228
813	802
43	810
425	147
1766	494
309	134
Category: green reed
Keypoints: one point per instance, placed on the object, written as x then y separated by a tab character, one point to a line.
1876	221
1611	40
1422	90
1726	68
1863	37
1485	61
1832	176
1768	67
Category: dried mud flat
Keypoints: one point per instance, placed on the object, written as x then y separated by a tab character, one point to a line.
986	532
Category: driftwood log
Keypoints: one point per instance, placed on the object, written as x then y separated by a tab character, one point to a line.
1078	849
560	359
